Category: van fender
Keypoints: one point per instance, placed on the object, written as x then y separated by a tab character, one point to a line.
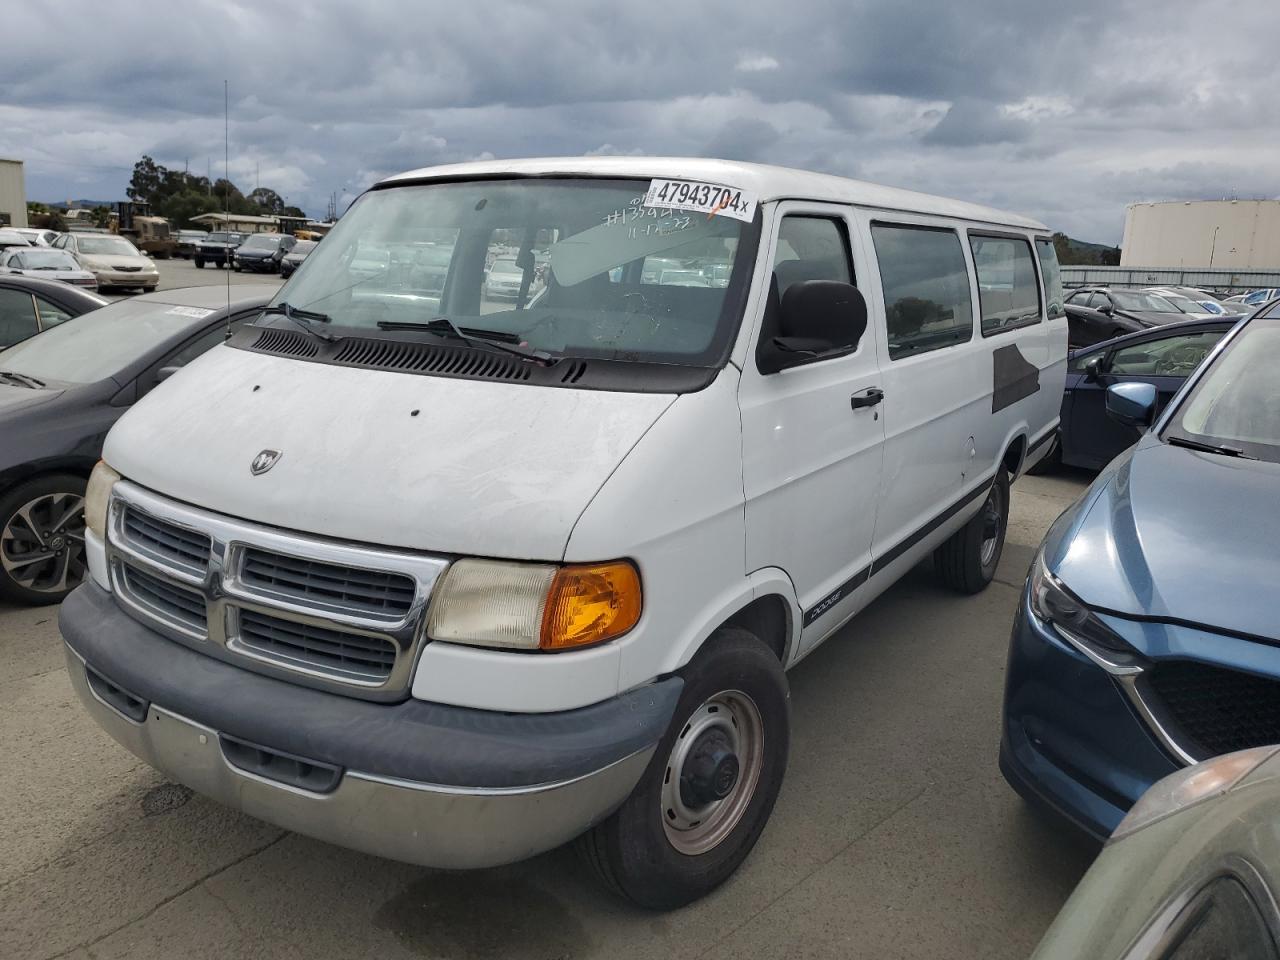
1018	435
767	581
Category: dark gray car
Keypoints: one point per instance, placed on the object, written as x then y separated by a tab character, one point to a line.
60	392
1095	314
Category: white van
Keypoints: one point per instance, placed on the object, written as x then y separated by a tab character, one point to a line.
454	581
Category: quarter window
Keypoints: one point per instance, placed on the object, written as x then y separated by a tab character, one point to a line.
927	303
1007	285
1052	274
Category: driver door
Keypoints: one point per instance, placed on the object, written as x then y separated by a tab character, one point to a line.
1163	360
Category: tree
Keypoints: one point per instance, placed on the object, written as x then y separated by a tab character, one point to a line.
268	201
146	181
101	216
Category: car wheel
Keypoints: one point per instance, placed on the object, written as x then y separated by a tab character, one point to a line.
199	264
1051	462
707	793
967	561
42	555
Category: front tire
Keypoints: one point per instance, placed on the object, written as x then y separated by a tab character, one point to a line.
199	264
707	793
967	561
42	555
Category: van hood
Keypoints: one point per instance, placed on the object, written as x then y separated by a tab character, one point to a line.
402	460
1176	534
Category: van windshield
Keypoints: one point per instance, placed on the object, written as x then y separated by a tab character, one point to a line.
576	258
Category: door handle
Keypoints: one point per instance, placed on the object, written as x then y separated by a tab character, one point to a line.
869	399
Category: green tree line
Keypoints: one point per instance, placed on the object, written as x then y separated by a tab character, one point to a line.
179	196
1076	253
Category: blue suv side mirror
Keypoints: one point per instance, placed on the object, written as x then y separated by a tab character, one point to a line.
1132	403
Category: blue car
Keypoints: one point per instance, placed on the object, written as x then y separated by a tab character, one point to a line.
1163	356
1148	634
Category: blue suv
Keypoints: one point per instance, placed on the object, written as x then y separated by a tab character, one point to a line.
1148	635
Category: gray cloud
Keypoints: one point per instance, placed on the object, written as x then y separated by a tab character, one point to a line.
1065	116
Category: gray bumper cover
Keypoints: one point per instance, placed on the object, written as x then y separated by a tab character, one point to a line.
426	783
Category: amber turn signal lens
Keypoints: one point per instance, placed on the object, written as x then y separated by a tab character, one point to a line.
590	603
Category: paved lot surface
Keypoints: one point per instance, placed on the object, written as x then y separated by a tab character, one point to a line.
183	273
894	836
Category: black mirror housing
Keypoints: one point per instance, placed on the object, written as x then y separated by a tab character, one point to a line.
815	319
1095	367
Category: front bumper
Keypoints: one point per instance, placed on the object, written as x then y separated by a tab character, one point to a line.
424	783
115	278
1072	739
256	265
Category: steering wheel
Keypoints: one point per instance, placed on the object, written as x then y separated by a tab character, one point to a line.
1179	362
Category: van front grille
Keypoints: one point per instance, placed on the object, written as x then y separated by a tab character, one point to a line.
180	605
347	589
165	541
302	645
320	612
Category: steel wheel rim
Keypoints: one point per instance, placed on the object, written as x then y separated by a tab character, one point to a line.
993	521
42	543
694	831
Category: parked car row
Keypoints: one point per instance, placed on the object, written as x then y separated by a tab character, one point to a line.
109	260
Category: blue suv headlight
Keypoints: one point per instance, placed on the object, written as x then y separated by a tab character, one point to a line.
1054	604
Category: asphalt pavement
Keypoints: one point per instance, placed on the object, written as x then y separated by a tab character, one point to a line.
894	836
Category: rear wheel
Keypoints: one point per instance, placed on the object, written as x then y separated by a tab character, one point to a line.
707	793
42	555
967	561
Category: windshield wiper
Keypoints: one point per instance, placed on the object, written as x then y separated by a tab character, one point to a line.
1221	448
303	318
21	379
491	339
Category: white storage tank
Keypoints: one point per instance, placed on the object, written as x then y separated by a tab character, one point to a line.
1219	234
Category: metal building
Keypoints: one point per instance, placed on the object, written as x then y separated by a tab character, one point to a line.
13	194
1209	234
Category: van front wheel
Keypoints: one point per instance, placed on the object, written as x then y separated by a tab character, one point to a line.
967	561
707	793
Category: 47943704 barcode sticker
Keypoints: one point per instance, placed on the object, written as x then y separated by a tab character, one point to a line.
713	199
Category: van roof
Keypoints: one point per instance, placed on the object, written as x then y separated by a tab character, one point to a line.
767	182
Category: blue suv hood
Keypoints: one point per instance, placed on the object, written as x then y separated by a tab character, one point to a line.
1176	534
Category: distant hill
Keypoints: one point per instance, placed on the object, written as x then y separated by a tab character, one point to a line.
89	204
1072	252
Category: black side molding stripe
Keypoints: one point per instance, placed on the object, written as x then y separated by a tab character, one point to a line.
1041	442
879	563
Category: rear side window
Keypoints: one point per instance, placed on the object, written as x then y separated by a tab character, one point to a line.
1007	285
927	303
17	317
1052	274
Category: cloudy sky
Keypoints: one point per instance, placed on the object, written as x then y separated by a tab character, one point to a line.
1066	111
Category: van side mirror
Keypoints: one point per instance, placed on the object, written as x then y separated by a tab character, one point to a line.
1133	404
815	319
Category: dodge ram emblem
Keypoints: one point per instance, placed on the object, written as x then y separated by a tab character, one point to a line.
264	462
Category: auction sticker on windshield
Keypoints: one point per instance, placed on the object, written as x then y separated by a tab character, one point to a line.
713	199
197	313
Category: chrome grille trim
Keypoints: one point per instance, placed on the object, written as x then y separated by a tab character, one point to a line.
225	591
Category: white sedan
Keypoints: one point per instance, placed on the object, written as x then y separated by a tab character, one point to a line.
113	260
46	263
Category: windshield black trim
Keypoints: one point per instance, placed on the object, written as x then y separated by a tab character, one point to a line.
408	352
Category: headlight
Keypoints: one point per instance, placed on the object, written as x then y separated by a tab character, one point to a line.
1053	603
534	606
96	497
1190	786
